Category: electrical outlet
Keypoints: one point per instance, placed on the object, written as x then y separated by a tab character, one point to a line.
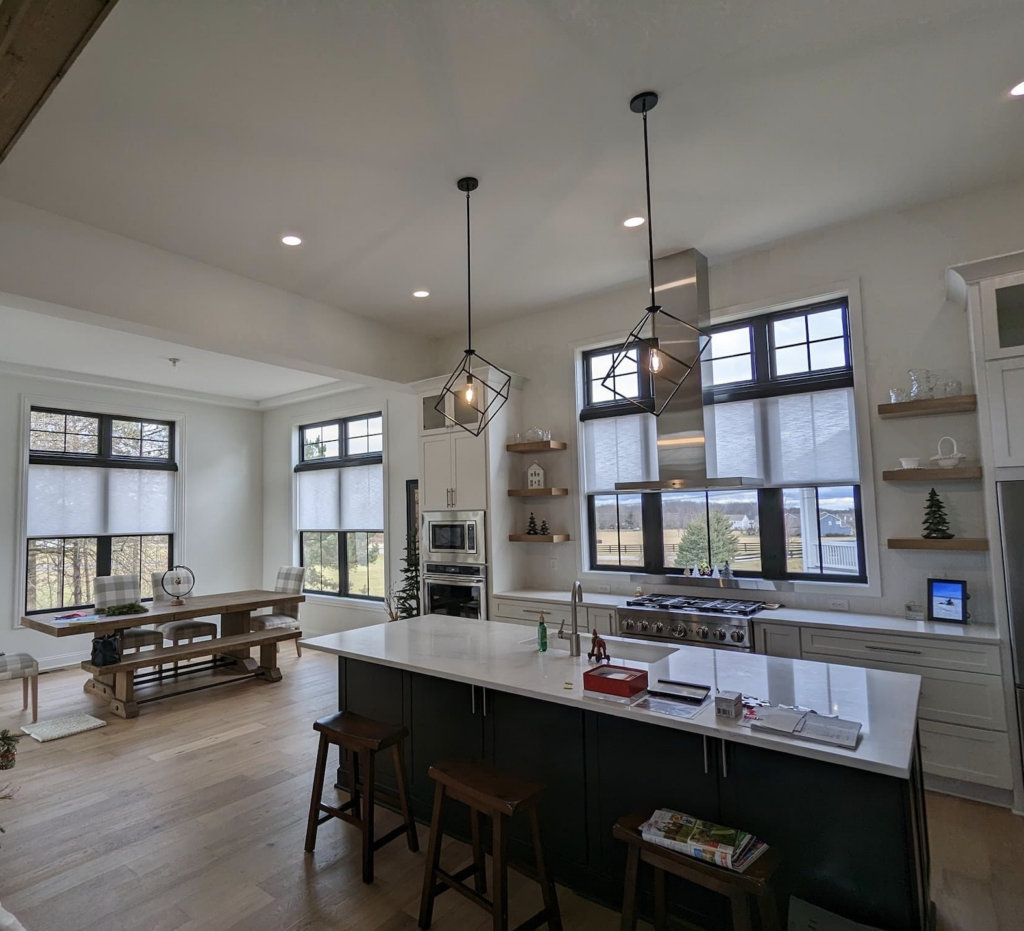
552	563
604	589
838	604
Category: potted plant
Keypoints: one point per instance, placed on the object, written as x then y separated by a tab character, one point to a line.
8	748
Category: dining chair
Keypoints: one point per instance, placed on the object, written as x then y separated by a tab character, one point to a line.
112	590
284	617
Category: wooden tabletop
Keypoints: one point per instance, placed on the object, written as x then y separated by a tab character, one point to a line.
159	613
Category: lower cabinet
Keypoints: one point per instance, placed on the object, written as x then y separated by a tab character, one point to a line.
777	639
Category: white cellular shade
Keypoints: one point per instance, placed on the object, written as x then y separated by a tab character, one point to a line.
619	449
82	500
342	499
789	440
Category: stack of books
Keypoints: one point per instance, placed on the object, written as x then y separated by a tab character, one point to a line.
703	840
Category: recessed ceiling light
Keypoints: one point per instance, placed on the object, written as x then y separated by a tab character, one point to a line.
633	221
291	240
421	294
1018	91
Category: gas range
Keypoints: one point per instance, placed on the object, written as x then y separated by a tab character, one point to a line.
715	622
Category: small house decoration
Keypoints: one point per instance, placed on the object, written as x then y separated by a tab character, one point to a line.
531	527
936	524
544	529
535	476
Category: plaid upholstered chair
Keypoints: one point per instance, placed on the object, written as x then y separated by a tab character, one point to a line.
286	617
22	666
180	631
112	590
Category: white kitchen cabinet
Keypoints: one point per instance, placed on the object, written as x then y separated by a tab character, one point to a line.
602	620
529	612
1002	316
966	753
1006	407
777	640
453	470
433	422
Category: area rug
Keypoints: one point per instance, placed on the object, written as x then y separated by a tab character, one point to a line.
63	727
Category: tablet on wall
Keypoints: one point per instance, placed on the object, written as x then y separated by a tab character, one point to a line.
947	600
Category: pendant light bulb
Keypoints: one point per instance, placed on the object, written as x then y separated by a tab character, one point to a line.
469	393
655	361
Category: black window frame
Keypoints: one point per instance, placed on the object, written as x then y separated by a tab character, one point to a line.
343	459
616	407
344	583
771	510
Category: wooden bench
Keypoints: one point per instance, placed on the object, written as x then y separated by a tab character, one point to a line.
117	681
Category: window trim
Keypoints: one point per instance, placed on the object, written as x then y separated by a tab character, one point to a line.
343	567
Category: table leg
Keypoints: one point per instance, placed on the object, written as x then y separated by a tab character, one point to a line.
124	704
103	686
238	622
268	663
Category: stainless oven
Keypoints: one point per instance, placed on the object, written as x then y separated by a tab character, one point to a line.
455	590
454	537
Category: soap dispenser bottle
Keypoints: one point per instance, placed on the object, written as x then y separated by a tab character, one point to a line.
542	634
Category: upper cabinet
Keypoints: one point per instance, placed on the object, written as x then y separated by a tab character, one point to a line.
432	421
1002	316
1006	408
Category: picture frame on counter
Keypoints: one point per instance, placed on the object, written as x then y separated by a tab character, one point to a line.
947	600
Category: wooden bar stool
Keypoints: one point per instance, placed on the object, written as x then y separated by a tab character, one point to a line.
498	795
363	738
739	888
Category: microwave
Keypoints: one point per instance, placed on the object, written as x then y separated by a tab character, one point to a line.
454	537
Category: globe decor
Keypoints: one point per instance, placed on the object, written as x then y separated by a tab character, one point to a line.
178	582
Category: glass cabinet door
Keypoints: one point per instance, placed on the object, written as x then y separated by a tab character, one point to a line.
432	420
1010	316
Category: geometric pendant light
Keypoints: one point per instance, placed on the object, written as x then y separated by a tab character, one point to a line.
662	369
485	390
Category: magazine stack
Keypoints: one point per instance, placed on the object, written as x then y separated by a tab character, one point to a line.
703	840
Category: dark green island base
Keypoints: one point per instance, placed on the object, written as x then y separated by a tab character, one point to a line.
851	841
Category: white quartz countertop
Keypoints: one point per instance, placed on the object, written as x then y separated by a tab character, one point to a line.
840	620
503	656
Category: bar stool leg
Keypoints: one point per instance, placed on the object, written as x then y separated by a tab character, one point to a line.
318	788
433	860
403	798
499	869
368	801
740	910
353	781
769	913
629	889
660	908
547	887
479	860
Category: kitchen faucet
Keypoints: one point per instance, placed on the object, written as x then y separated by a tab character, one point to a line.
575	597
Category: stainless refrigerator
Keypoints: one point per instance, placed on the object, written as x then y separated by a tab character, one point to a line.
1011	530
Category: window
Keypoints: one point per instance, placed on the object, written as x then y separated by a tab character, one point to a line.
101	492
629	383
779	407
340	484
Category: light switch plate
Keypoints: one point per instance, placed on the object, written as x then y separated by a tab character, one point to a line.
838	604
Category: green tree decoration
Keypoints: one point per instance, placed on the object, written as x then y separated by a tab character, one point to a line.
936	524
692	549
407	599
531	528
544	529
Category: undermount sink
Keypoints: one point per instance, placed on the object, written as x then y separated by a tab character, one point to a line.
617	649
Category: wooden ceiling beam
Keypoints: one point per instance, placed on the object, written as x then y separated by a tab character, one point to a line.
39	41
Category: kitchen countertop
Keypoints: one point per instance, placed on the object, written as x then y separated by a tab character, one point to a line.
840	620
496	655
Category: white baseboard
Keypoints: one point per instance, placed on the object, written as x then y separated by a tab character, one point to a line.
969	790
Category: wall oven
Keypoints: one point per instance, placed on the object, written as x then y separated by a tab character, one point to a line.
457	590
454	537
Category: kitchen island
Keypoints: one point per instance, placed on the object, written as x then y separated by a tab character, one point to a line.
849	824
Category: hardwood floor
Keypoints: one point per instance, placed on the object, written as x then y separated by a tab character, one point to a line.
191	817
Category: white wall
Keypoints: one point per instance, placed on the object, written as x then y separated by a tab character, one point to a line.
323	614
223	471
900	260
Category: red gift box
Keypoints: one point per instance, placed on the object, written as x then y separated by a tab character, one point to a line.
615	680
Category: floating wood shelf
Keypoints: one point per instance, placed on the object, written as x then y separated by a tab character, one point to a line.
957	543
538	538
957	474
961	404
537	492
541	446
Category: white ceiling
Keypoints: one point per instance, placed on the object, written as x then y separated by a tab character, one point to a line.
66	346
210	129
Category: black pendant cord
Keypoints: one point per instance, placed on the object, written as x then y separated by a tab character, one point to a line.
650	222
469	286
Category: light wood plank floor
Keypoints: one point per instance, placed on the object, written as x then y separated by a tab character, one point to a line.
192	817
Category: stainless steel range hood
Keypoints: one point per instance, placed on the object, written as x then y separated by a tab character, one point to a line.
682	290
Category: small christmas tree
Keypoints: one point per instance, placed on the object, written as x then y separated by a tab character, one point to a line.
544	530
531	528
936	524
407	598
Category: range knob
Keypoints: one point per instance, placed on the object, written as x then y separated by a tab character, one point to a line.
644	625
659	627
627	623
703	632
679	631
738	636
719	633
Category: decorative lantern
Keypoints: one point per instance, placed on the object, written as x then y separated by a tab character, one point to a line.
178	582
535	476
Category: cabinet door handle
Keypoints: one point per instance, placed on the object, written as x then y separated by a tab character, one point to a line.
533	611
868	646
725	763
455	497
705	756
